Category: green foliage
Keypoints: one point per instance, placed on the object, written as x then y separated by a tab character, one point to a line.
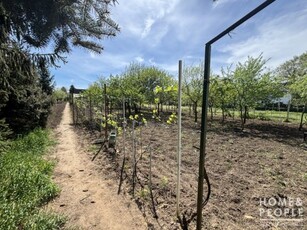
26	106
222	92
137	85
95	94
193	82
64	23
292	74
59	95
172	119
5	133
246	78
299	90
166	93
112	123
45	79
253	85
193	85
25	184
292	70
164	182
139	119
144	193
27	25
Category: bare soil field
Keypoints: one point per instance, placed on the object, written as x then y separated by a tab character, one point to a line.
266	160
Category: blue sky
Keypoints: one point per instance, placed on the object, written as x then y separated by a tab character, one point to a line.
161	32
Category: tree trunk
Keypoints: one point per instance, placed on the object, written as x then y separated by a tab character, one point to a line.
241	116
110	107
135	108
245	114
302	118
288	110
233	113
190	110
195	111
223	114
128	107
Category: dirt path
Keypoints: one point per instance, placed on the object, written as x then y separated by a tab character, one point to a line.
89	201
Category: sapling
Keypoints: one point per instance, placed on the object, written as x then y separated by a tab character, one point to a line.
164	182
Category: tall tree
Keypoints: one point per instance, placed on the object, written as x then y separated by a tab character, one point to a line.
137	85
64	89
46	80
26	104
299	92
27	26
290	72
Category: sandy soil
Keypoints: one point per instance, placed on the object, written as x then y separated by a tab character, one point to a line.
88	199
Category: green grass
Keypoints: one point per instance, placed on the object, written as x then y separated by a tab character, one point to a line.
269	115
294	117
26	185
277	115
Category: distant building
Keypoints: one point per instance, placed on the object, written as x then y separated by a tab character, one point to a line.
75	92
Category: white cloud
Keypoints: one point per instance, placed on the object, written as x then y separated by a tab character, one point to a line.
170	67
148	23
222	3
160	32
139	59
136	17
152	62
279	39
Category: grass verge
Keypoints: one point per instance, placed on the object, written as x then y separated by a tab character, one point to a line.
26	185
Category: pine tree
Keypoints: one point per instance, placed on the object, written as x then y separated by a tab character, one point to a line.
25	25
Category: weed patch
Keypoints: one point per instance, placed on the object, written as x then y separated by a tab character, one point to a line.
25	184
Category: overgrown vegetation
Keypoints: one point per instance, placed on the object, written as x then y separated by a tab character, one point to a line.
26	29
25	184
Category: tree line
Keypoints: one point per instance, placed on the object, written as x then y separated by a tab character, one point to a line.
242	87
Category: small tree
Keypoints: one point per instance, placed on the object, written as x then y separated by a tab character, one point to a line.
252	85
59	95
193	85
224	93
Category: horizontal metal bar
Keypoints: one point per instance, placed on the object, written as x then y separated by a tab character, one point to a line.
239	22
